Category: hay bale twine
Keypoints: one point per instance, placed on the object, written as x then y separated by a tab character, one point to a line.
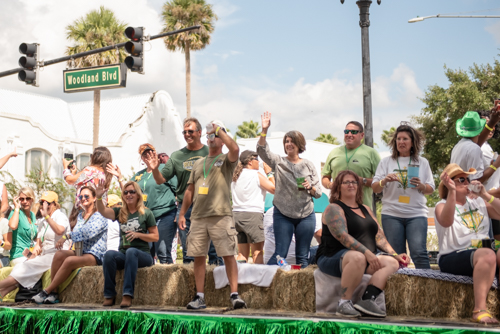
425	297
294	290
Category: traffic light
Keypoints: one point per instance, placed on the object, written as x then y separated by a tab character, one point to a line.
135	62
29	62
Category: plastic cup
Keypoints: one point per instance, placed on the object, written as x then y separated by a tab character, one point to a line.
300	180
296	266
125	242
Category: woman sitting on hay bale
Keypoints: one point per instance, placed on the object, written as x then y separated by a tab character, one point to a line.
90	238
349	243
137	228
460	221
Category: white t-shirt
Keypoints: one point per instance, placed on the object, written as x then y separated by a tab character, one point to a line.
49	236
494	180
269	242
393	190
468	154
4	228
247	194
113	242
464	228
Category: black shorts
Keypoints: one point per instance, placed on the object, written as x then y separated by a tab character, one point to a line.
496	226
459	262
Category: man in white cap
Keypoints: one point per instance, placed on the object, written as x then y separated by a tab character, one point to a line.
209	189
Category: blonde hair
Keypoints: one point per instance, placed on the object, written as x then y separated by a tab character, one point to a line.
28	192
123	216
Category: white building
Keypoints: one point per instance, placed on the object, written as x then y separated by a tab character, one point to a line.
43	128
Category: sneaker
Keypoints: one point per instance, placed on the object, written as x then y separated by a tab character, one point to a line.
368	306
52	298
40	298
237	302
347	310
197	303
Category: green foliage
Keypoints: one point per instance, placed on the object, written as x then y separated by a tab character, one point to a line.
248	130
387	135
327	138
432	242
97	29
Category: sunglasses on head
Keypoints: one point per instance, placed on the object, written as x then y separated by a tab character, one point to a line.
354	132
188	131
354	183
461	179
81	197
22	199
126	192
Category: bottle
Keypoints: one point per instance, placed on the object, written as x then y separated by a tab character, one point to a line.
282	263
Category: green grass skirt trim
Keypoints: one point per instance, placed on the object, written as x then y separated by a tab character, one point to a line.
51	321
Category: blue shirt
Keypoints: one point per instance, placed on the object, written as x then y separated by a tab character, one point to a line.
93	233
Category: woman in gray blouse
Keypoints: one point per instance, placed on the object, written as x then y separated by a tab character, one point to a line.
296	184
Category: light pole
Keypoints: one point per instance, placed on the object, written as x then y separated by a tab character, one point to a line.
364	23
419	19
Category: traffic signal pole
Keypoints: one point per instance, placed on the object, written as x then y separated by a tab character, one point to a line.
91	52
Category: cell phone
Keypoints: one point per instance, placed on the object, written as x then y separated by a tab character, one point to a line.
69	157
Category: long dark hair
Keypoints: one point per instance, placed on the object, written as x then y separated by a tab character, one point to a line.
73	217
101	157
417	141
337	184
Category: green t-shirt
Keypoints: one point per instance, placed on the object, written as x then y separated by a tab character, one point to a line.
363	161
180	164
23	235
160	197
135	223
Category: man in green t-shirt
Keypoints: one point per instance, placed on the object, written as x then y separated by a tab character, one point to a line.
180	164
361	159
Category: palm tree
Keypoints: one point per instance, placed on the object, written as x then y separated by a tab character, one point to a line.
327	138
97	29
179	14
248	130
387	135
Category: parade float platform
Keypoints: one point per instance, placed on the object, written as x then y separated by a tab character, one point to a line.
414	305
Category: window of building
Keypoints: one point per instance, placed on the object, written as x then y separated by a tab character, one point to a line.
37	158
82	160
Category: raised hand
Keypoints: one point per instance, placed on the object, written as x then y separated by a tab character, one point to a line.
66	163
17	204
100	190
44	209
114	170
151	160
13	154
265	120
448	182
267	169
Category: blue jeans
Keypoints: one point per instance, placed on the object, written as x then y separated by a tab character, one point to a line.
167	227
414	230
131	261
284	228
212	254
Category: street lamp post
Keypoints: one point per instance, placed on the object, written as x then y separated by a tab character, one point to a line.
364	23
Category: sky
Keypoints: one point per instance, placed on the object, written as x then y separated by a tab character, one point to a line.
300	60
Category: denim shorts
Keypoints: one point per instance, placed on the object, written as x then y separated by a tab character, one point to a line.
458	263
332	265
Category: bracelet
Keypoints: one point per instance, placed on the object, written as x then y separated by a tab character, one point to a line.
395	254
99	199
487	127
2	244
262	134
16	210
121	179
380	182
491	199
64	237
47	217
217	131
270	175
493	167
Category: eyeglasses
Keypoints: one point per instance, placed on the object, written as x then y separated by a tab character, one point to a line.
126	192
354	132
81	197
22	199
354	183
462	179
188	131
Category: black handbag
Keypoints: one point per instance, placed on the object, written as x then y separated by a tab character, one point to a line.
25	294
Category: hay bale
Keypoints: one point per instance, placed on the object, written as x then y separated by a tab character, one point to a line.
294	290
87	287
424	297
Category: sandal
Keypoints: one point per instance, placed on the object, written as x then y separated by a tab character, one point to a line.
486	314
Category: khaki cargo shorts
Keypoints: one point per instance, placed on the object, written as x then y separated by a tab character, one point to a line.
249	226
219	229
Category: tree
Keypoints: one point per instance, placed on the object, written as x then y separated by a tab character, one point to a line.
179	14
387	135
97	29
327	138
248	130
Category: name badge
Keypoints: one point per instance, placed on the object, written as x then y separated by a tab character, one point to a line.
404	199
144	197
203	190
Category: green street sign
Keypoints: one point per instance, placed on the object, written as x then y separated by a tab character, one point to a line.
92	78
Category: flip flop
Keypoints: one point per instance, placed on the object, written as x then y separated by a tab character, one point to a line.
478	319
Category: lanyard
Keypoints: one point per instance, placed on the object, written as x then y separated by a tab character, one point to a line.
348	160
403	179
43	236
205	174
146	181
471	217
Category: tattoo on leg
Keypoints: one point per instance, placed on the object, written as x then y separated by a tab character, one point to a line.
343	289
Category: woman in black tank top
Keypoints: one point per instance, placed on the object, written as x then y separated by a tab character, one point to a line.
350	240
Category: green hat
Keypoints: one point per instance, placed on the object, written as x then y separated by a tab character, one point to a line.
470	125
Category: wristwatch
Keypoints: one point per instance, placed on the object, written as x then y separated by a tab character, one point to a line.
364	180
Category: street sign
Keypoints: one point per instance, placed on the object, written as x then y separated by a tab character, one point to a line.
92	78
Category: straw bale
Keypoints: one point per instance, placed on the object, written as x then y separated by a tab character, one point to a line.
87	287
425	297
294	290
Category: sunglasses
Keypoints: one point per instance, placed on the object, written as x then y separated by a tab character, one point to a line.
462	179
22	199
81	197
188	131
41	202
211	136
354	132
354	183
126	192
